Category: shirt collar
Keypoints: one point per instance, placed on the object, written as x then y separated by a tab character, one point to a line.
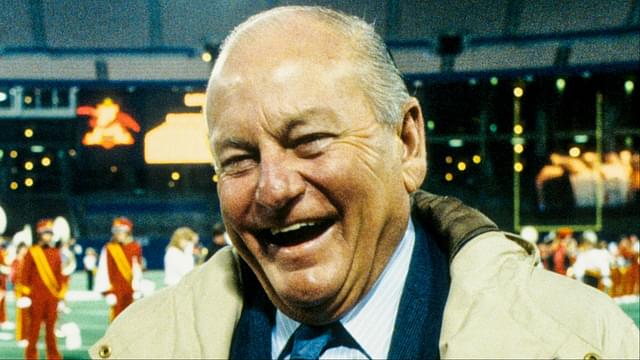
377	310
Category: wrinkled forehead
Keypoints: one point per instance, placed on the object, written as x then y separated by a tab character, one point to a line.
277	45
291	58
292	90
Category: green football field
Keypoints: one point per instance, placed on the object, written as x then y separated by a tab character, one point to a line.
91	313
633	310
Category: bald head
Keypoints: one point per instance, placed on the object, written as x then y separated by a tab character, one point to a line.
284	31
277	45
331	38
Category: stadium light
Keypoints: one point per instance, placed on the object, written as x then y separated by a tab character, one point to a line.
518	148
518	129
456	143
206	56
581	138
574	152
628	87
518	167
518	92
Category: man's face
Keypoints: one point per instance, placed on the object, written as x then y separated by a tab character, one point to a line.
219	240
310	184
46	237
120	236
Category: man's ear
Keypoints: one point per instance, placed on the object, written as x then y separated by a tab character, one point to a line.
414	158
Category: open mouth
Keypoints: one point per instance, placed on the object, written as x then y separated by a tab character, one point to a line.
295	234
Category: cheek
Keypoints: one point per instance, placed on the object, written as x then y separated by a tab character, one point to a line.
236	201
349	176
236	196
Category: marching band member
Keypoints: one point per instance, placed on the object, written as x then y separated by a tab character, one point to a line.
22	314
42	281
119	267
4	273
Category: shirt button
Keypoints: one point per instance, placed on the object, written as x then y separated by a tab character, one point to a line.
591	356
105	351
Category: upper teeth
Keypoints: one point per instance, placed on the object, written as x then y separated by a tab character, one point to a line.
293	227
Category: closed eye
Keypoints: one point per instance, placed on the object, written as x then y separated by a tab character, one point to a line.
237	164
311	144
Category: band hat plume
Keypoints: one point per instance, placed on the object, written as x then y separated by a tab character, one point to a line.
44	226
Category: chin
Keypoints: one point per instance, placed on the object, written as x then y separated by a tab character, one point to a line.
305	298
308	300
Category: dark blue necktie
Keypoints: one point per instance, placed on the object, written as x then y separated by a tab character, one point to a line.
309	342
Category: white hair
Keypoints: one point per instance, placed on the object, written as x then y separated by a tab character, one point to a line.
379	78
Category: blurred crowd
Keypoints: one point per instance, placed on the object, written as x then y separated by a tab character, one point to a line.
613	267
575	180
38	271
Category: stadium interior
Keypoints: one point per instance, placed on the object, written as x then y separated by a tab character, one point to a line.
531	108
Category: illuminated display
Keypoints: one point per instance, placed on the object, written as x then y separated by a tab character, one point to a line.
109	125
196	99
180	139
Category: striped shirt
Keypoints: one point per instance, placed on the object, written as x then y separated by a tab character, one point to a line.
372	320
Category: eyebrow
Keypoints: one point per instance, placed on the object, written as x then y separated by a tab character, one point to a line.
236	144
305	117
292	120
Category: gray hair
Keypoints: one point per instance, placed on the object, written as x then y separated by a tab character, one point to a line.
380	79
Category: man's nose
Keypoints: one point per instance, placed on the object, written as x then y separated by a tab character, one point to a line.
278	184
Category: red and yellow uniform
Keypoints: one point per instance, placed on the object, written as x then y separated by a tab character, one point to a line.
22	315
118	265
42	279
4	271
630	273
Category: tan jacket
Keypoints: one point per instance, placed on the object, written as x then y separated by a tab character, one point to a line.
500	305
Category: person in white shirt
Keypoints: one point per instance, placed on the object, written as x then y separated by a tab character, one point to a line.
179	260
592	264
90	261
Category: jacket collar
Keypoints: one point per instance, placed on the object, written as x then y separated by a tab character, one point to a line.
454	223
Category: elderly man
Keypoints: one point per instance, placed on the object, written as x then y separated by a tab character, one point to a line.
320	153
